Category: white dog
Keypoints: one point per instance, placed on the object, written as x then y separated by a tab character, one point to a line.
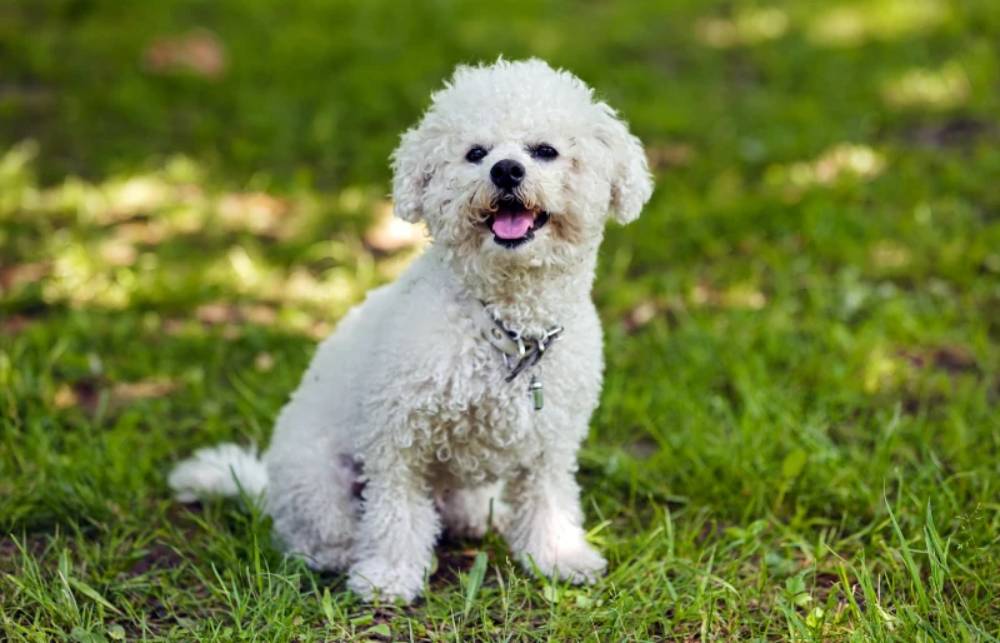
460	393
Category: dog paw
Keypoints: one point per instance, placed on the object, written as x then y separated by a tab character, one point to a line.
574	561
329	558
371	579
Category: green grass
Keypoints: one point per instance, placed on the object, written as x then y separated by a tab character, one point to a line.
799	435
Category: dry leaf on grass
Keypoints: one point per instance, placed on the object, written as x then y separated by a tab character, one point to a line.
640	315
257	212
148	233
125	392
65	397
22	273
118	252
951	359
14	324
263	362
669	155
217	313
391	234
199	52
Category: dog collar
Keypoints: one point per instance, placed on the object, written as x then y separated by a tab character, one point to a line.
519	351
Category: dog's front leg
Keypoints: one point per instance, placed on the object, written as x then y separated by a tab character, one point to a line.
546	529
397	532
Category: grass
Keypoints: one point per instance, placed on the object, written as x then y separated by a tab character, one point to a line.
799	432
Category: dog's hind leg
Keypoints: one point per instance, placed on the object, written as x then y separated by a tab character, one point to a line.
313	477
312	498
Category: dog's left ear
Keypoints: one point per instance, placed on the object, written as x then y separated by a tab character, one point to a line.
410	176
631	183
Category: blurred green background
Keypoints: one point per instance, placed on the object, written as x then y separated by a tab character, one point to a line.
799	435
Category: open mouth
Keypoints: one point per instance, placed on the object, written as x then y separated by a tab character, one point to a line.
512	223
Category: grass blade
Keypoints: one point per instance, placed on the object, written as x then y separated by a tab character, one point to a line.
476	575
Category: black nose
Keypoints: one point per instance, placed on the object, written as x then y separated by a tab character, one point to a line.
507	174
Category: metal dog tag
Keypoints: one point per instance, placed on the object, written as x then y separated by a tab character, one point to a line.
535	390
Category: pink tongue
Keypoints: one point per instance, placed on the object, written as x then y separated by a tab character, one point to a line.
512	225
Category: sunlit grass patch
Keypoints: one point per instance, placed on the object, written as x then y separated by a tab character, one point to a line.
853	23
889	255
747	26
115	243
743	296
943	88
841	162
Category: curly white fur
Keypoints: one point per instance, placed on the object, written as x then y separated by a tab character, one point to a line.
407	399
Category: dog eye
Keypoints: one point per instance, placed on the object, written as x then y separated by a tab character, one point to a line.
476	154
543	151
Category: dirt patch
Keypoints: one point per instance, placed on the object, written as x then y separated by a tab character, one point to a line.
14	324
159	556
955	132
34	544
710	531
643	448
17	275
454	557
954	360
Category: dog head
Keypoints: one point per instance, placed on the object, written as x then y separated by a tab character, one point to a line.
516	163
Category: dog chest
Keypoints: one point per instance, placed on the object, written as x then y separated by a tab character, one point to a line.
486	433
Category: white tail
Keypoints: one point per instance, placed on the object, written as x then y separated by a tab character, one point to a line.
223	470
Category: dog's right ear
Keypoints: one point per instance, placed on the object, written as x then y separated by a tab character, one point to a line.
411	174
631	182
